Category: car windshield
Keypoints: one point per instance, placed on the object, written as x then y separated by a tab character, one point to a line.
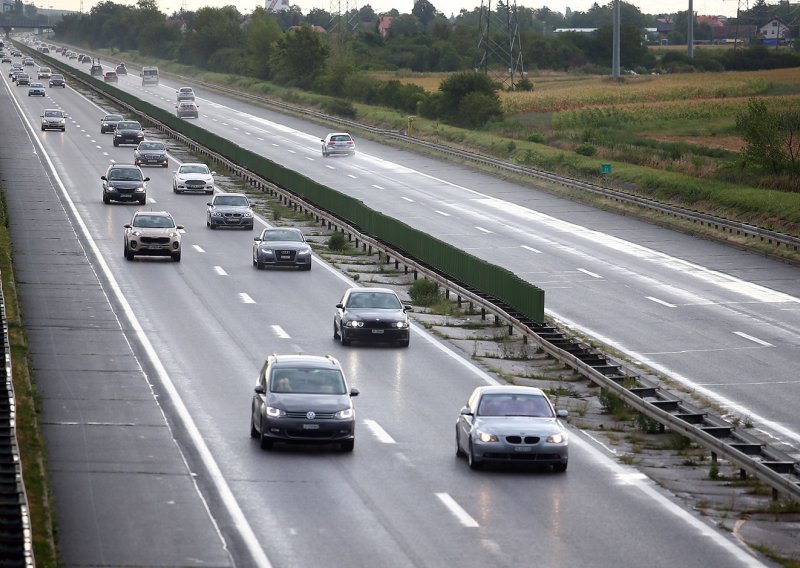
234	200
341	138
152	146
153	222
514	405
274	235
125	174
305	380
129	126
36	85
112	118
56	77
52	113
193	169
374	300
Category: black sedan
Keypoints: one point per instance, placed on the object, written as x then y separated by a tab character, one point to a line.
281	247
128	132
150	153
109	122
57	81
371	314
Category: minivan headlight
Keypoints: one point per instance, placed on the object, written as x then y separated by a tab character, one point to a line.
275	412
345	414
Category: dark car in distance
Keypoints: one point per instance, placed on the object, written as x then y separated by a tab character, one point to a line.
109	122
57	81
371	314
151	153
284	246
124	182
303	399
128	132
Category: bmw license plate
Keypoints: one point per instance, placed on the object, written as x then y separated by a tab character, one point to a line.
522	449
310	426
377	331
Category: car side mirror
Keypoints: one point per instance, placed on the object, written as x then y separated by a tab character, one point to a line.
257	239
408	309
562	413
179	227
260	389
340	306
209	204
354	392
146	179
466	411
213	173
174	171
103	178
321	140
127	225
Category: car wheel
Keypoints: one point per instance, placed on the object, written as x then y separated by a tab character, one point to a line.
106	199
211	226
473	463
64	129
116	144
259	264
176	256
174	189
343	336
209	192
264	442
404	342
459	451
348	445
42	128
253	431
129	255
143	201
335	333
560	467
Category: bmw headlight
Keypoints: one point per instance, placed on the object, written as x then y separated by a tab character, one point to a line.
216	214
355	323
344	414
401	324
560	438
486	437
247	214
275	412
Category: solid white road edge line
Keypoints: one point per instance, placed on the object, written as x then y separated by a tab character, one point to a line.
228	500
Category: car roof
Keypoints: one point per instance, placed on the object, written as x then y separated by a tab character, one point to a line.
119	165
509	389
194	164
305	360
113	115
153	213
229	195
371	289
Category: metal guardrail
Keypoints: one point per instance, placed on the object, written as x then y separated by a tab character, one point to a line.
720	437
16	546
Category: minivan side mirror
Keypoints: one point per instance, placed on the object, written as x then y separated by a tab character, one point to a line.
260	389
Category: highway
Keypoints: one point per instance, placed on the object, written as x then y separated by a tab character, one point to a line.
203	327
725	322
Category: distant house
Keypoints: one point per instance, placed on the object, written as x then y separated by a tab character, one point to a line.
384	25
774	31
731	33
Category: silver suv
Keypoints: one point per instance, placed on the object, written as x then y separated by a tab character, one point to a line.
152	233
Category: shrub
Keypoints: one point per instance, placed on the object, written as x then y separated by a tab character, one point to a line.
340	107
537	137
337	241
424	292
586	149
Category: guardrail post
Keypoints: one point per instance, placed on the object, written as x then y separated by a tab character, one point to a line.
483	313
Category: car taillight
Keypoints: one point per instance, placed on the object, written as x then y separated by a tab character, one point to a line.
349	141
331	143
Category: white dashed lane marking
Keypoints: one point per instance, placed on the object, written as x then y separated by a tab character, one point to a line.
221	271
592	274
662	302
526	247
463	517
279	331
753	339
245	298
379	432
197	248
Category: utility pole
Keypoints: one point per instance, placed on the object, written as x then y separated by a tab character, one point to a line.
690	31
499	47
616	42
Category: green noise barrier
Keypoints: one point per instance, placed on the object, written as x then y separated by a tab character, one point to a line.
501	284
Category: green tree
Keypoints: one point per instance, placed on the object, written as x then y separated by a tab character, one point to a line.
772	138
211	30
423	11
299	57
468	99
261	34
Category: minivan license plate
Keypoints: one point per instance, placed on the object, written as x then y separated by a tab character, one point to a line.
310	426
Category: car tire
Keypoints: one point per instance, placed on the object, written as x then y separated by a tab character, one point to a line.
106	199
459	451
404	342
560	467
253	431
143	201
259	264
64	129
116	144
211	226
264	442
209	192
129	255
474	464
335	333
343	337
348	445
43	129
307	267
176	256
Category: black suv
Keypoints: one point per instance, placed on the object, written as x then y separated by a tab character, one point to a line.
128	132
303	399
124	182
